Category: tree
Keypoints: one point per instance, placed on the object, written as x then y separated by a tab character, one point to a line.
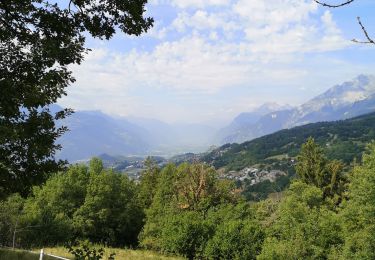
10	219
368	40
235	239
51	208
303	228
111	213
359	211
186	234
177	220
39	39
313	168
148	183
82	203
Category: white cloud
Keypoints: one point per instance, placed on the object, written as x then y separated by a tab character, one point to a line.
199	3
205	51
274	26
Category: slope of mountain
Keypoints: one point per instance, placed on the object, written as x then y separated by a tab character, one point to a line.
240	128
92	133
343	140
343	101
185	136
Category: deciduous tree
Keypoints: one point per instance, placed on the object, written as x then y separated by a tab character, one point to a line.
39	39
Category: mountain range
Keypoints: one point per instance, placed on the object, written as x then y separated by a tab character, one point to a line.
343	140
93	133
350	99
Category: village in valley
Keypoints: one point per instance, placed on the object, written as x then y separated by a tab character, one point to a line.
254	175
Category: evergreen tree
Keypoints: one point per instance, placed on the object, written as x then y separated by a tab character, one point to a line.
313	168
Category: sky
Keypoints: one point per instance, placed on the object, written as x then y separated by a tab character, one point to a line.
206	61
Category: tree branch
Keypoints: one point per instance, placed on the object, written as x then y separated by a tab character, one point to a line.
369	39
334	6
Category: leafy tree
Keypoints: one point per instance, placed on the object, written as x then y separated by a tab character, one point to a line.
50	211
359	210
111	213
148	183
160	207
186	234
83	203
96	165
235	239
197	187
10	219
314	168
177	220
39	39
303	228
311	164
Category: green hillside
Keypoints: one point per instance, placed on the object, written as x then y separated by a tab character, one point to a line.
343	140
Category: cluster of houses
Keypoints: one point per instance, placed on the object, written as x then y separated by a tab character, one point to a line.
254	175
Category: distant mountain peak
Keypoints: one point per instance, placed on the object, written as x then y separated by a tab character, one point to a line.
358	89
270	107
349	99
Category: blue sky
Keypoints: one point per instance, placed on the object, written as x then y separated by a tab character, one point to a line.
208	60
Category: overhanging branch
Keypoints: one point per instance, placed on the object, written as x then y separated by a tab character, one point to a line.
368	40
334	6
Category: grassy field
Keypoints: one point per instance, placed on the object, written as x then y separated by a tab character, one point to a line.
121	254
8	254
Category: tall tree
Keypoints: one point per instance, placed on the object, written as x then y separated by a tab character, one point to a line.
39	39
359	210
311	163
313	168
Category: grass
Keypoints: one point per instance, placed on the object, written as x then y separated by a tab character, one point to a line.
10	254
278	157
121	254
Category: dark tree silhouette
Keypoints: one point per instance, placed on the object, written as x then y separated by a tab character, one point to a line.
39	40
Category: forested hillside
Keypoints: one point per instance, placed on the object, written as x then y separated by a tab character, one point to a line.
188	211
343	140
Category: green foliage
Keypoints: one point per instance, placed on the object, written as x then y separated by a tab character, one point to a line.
235	239
341	140
10	212
39	39
313	168
311	163
148	182
304	228
110	213
184	197
262	190
359	210
21	255
185	233
82	203
84	252
192	213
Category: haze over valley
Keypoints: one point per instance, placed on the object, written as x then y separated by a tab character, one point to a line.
93	133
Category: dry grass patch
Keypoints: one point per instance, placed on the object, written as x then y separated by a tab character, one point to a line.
121	254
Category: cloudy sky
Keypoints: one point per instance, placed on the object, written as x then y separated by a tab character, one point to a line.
208	60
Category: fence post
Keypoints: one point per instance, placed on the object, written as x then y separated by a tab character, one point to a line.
41	254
